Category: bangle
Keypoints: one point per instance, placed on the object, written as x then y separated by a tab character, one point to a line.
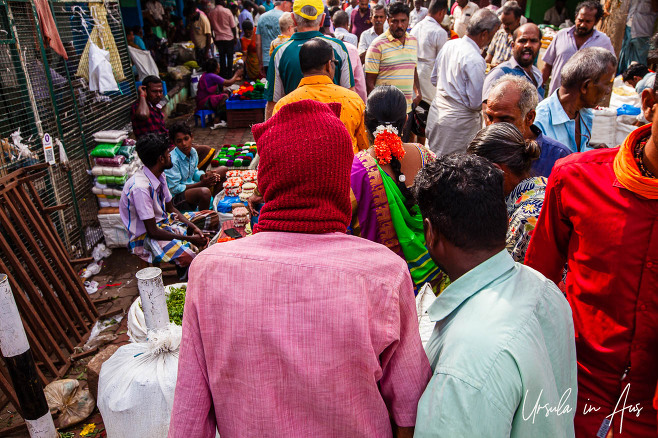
256	192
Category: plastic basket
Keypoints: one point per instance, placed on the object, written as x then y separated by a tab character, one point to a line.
245	104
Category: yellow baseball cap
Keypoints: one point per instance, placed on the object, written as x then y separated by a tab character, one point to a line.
317	4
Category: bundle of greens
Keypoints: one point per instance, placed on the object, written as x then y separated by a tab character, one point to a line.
175	303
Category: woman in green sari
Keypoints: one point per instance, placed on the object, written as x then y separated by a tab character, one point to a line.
383	208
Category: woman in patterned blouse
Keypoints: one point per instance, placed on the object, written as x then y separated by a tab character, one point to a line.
503	145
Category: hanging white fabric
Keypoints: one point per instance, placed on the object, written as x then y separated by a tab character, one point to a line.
101	76
144	63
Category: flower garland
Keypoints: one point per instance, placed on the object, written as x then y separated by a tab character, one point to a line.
388	144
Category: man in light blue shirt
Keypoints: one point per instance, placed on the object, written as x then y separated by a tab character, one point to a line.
190	187
267	31
566	116
503	349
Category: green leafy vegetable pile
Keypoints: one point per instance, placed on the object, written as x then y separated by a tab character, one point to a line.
175	303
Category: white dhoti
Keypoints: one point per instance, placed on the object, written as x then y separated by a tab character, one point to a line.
450	125
424	74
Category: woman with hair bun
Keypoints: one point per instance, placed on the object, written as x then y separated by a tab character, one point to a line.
503	145
383	207
211	94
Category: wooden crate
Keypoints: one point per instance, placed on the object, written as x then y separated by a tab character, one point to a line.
244	118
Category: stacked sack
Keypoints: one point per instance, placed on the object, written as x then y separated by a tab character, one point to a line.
236	156
115	160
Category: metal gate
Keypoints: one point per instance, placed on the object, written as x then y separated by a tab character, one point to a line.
41	92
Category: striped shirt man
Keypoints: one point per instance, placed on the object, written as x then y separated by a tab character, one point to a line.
285	73
394	63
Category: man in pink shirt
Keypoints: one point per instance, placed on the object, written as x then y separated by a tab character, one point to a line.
286	333
223	27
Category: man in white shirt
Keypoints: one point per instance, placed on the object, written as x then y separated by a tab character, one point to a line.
431	38
154	13
557	14
462	15
417	13
341	20
454	116
352	4
379	25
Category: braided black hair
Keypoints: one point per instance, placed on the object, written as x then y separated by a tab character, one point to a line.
387	106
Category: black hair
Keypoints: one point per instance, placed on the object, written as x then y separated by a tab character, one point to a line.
340	19
314	53
387	105
590	4
514	8
398	8
211	65
136	29
436	6
151	80
179	128
633	70
150	147
247	25
503	143
376	8
462	196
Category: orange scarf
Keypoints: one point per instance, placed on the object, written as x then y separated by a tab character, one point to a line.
626	170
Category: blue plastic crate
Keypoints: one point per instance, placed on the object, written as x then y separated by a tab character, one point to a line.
245	104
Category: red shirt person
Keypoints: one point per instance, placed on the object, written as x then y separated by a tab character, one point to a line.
145	116
600	216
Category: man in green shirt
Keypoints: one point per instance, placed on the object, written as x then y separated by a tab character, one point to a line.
503	350
284	71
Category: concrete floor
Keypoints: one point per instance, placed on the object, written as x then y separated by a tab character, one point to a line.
119	286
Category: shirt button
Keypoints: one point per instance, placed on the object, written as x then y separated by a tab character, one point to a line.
649	265
643	307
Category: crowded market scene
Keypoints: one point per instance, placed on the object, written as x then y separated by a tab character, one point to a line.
328	218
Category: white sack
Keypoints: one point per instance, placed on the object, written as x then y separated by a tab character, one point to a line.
136	386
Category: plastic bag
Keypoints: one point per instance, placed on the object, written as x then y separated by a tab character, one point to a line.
106	150
68	403
136	386
109	171
115	161
127	151
100	252
111	180
114	136
101	76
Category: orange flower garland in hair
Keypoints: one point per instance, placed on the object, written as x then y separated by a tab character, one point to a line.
388	144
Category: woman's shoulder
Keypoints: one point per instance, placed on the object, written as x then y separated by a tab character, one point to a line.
426	155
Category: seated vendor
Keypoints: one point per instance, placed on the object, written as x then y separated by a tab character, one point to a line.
190	187
211	95
639	77
145	116
158	232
